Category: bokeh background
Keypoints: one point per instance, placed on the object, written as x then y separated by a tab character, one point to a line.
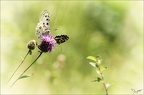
111	29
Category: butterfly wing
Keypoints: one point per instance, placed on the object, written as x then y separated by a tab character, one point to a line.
61	39
44	24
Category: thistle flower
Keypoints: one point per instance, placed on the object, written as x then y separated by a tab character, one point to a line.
47	42
31	46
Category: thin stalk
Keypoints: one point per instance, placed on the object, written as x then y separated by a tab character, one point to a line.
19	65
103	80
26	69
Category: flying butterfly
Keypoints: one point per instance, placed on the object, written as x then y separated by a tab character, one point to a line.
44	24
61	38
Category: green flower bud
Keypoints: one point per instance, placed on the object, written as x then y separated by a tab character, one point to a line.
31	45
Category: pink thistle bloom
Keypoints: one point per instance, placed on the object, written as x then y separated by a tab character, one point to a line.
47	42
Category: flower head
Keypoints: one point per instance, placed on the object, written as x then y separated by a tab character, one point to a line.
47	42
31	44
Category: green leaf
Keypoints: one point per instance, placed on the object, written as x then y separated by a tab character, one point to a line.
93	64
102	68
25	76
98	79
92	58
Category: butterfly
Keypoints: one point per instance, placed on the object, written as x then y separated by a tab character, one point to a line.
61	38
44	27
44	24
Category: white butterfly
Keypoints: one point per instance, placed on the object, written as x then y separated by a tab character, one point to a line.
44	24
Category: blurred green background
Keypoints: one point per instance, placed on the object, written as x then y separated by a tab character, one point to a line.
113	30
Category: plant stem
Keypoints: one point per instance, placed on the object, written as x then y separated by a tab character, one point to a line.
103	80
19	65
26	69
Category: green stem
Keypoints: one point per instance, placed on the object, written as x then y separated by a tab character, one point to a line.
19	65
27	69
103	80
